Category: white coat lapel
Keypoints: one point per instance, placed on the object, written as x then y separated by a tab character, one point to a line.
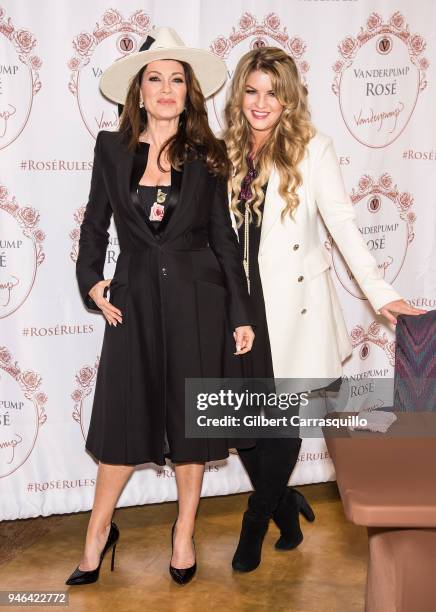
232	214
272	207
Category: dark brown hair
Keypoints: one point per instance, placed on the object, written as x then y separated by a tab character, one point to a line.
193	139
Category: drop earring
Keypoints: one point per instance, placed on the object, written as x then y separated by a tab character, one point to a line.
141	102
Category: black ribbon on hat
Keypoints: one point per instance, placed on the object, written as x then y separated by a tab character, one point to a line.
144	47
147	43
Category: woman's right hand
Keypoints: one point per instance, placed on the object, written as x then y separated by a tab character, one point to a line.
113	315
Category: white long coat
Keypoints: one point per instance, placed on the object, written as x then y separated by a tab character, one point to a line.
306	325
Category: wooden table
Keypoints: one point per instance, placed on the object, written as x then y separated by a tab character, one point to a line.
387	483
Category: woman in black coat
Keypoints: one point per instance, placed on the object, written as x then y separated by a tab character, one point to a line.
178	299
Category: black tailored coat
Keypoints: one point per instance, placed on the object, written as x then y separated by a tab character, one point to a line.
182	292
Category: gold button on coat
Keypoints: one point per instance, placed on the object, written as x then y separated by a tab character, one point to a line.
296	246
304	311
300	279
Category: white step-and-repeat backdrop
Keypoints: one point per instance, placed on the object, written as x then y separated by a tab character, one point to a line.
369	67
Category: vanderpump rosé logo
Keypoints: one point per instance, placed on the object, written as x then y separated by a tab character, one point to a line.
112	251
365	341
379	76
19	78
113	37
83	394
251	33
386	221
21	251
22	412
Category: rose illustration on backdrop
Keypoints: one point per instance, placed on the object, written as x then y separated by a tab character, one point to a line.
385	181
140	19
28	216
24	41
36	62
378	77
348	47
5	356
220	46
112	17
417	44
20	80
374	21
85	376
373	336
384	219
113	37
247	21
113	247
365	182
397	21
22	254
273	21
82	395
405	200
30	379
297	46
21	415
83	43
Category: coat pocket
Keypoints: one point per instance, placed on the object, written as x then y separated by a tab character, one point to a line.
316	262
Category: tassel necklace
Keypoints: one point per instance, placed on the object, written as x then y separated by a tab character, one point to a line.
246	259
245	196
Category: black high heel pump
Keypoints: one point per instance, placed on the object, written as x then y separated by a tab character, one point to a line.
181	576
86	577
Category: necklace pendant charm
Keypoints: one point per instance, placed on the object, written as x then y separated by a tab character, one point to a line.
246	270
161	196
246	258
157	212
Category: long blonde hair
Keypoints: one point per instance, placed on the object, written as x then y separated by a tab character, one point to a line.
286	145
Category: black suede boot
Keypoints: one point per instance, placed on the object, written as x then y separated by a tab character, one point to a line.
269	466
287	518
248	553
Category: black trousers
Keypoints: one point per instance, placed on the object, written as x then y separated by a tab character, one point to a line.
269	465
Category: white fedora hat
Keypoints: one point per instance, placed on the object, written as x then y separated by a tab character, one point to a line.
163	43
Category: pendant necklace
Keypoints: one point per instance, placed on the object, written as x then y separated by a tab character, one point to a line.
157	210
245	261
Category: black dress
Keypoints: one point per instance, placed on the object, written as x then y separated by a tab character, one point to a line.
258	362
270	462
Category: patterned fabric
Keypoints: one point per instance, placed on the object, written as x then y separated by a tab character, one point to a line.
246	192
415	363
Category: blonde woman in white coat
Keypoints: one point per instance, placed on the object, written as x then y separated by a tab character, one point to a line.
284	173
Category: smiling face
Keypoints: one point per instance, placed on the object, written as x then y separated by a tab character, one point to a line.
163	89
259	103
